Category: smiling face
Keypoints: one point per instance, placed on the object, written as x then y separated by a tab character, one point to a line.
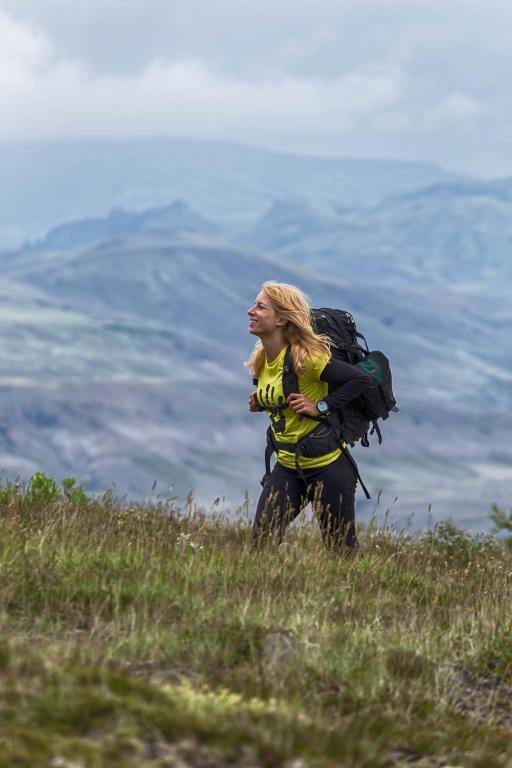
263	320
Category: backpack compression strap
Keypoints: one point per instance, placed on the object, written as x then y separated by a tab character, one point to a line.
290	379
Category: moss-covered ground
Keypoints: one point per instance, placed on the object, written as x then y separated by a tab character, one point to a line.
156	637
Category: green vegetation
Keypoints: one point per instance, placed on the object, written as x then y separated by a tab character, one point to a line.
134	636
502	520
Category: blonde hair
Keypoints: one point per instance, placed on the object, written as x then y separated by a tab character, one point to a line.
292	305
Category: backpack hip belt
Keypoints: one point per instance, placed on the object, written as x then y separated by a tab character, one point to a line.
324	438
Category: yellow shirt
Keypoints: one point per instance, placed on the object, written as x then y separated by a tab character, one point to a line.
290	426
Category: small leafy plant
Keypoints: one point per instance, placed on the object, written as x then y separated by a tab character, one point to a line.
502	521
42	490
456	543
73	492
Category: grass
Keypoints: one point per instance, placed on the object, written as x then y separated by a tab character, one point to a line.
155	637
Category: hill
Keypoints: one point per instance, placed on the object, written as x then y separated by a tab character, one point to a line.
457	233
45	183
172	219
123	364
155	636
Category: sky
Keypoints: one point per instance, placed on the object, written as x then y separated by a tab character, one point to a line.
427	80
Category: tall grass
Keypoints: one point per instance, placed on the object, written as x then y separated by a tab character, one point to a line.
148	636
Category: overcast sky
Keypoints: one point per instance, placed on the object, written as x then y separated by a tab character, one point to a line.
412	79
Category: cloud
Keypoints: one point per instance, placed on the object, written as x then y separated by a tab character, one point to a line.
23	51
388	78
47	96
455	108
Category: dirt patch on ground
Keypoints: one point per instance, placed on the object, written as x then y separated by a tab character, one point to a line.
482	697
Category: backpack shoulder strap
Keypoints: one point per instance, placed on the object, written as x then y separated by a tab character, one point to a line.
290	379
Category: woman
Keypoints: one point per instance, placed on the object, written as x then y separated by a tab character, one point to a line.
281	319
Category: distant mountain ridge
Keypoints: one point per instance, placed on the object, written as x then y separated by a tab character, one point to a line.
458	232
43	184
172	219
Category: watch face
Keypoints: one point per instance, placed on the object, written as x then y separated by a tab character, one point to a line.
322	406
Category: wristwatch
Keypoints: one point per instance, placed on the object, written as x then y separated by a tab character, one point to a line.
322	408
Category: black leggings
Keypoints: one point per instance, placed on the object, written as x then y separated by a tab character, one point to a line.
330	489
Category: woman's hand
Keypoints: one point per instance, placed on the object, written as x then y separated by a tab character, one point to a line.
302	404
254	407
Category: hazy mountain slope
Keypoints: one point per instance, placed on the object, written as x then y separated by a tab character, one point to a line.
174	218
45	183
456	233
124	365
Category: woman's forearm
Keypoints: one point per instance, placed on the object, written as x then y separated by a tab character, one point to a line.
346	381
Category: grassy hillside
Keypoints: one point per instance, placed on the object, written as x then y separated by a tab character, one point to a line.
156	637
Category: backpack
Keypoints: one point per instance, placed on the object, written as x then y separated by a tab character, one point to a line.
374	403
351	424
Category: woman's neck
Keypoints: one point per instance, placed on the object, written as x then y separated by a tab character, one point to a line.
273	346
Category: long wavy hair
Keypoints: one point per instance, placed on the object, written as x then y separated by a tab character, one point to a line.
292	305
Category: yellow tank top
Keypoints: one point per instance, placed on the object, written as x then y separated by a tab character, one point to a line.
289	426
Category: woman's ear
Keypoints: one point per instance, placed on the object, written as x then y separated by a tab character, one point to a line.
281	321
